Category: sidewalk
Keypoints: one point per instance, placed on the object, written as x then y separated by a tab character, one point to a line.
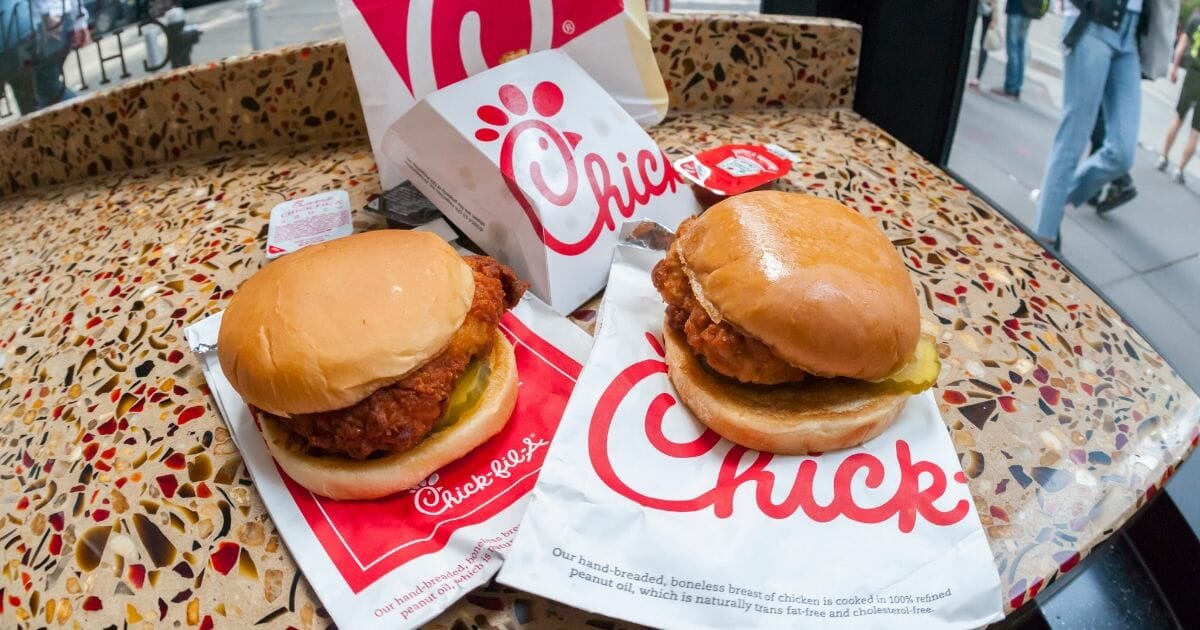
1143	257
1043	73
225	32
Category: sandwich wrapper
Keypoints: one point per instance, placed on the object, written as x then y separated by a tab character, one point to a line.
401	560
403	50
537	164
642	513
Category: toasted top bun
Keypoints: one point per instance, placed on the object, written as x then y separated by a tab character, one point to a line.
811	278
811	416
324	327
342	478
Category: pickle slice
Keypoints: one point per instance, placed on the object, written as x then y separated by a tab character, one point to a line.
466	394
920	372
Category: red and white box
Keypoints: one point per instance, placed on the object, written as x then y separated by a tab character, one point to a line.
403	50
401	560
644	514
539	166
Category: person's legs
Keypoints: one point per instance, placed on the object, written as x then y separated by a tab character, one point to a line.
1190	149
1122	104
1084	70
1014	45
984	25
1172	131
1122	187
1018	36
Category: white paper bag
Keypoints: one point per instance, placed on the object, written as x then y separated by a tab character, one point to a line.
401	560
539	166
644	514
402	50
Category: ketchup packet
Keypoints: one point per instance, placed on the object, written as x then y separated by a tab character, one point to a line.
308	220
399	561
643	513
735	168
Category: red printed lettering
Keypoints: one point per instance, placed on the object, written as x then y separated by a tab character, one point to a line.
910	500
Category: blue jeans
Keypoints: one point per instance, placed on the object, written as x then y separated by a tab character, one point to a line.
1103	67
1016	35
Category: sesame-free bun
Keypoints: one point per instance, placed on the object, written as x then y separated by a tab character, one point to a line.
322	328
810	416
812	279
339	477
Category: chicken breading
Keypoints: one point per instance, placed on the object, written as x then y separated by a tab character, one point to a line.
397	417
724	348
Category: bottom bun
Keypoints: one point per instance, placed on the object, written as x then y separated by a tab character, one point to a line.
342	478
813	416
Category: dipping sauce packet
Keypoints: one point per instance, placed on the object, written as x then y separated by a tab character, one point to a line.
308	220
732	169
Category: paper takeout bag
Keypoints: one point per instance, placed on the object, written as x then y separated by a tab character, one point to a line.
642	513
398	561
539	166
403	50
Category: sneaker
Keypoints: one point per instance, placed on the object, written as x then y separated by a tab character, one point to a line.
1115	196
999	91
973	84
1035	195
1162	163
1177	176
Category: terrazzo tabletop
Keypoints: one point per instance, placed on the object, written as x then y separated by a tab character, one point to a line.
126	216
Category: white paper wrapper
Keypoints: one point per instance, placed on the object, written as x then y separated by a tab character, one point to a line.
399	561
641	513
402	50
539	166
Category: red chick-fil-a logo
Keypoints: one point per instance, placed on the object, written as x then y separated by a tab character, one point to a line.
435	43
643	176
909	501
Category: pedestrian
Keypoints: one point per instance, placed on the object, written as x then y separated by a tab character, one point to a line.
1187	49
987	28
1019	14
18	23
35	38
63	28
1101	65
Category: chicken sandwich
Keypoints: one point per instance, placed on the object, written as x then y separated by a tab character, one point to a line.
373	360
791	324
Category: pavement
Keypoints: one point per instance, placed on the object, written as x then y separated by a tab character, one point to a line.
225	32
1144	257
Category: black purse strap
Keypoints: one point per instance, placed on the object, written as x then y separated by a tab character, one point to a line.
1073	35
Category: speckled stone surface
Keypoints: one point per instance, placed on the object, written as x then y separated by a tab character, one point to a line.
296	95
307	94
127	502
753	61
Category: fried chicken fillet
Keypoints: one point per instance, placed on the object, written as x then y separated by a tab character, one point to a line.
397	417
724	348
